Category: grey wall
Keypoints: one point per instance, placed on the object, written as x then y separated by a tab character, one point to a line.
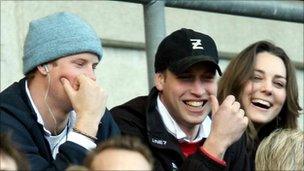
123	72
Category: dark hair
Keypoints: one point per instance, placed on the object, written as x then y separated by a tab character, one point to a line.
241	69
7	148
31	74
121	142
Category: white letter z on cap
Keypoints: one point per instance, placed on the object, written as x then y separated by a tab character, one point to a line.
196	44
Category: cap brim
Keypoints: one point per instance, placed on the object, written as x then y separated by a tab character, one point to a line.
182	65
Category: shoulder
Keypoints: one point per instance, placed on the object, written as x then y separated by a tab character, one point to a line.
107	127
14	95
131	116
237	155
135	107
11	92
15	104
238	146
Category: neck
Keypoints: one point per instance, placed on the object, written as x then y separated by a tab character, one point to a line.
54	119
190	131
258	126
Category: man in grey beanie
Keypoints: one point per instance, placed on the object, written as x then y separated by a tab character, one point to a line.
57	112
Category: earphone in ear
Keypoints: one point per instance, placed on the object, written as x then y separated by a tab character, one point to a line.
46	68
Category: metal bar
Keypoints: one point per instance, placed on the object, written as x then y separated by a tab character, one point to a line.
292	11
123	44
155	31
277	10
110	43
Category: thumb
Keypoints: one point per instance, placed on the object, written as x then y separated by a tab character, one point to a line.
214	104
68	87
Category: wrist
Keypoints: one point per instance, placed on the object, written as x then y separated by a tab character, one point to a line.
215	148
214	158
93	138
90	129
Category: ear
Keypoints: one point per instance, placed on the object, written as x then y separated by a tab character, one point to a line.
159	79
42	69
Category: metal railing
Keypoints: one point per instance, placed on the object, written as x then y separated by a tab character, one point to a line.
155	30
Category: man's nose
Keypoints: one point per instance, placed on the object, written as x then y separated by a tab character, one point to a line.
197	88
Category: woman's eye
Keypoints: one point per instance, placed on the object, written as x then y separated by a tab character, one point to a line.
279	84
255	78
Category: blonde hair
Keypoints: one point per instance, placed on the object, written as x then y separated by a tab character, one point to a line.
281	150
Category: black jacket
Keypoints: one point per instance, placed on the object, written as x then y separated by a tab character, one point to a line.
19	119
140	118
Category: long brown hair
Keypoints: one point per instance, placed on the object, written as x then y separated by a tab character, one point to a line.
240	70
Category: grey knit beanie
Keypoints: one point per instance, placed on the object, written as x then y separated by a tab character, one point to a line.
58	35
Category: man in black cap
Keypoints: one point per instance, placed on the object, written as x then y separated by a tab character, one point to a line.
173	119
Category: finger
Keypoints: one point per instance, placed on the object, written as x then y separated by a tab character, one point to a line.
81	78
214	104
229	100
84	80
246	120
236	106
68	87
242	112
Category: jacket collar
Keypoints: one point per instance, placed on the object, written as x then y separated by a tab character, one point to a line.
157	133
18	105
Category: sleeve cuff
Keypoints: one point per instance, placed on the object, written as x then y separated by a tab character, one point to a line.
219	161
81	140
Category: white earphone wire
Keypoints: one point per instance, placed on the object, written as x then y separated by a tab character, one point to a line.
47	105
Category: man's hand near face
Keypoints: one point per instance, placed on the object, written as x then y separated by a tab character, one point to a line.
228	125
89	103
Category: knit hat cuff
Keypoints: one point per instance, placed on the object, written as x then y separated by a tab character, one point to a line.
52	50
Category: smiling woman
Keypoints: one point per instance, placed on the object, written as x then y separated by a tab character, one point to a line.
264	93
263	80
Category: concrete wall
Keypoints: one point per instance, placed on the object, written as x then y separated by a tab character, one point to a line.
123	72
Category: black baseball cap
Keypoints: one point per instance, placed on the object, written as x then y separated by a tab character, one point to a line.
184	48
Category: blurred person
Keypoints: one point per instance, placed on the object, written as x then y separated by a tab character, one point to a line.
77	168
10	158
173	119
262	78
282	150
57	113
120	153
